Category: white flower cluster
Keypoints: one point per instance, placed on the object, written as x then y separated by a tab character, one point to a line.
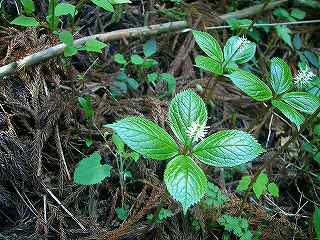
303	77
197	131
241	43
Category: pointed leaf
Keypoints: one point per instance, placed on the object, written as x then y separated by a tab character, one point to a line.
214	196
25	21
90	171
105	4
209	45
285	34
251	85
293	115
302	101
28	6
65	9
281	77
185	108
119	58
87	107
273	189
94	45
260	185
238	51
145	137
66	37
185	181
136	59
150	48
227	148
209	65
243	184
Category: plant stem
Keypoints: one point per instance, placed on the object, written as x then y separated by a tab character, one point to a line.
275	156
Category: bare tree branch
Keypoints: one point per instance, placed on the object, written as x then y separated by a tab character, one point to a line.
54	51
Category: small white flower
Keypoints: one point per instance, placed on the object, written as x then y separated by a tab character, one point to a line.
241	43
303	77
197	131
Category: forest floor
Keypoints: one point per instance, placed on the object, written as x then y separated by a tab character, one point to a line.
45	130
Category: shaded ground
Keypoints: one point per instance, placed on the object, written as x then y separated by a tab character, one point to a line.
43	132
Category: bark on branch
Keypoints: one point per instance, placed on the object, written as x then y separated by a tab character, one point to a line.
54	51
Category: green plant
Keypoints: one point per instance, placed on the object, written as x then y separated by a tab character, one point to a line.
237	225
214	196
90	170
316	222
291	104
185	180
283	31
141	66
260	186
313	146
29	20
306	56
294	15
163	215
87	107
239	50
56	10
122	213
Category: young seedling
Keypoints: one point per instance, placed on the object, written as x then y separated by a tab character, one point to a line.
260	186
184	178
141	66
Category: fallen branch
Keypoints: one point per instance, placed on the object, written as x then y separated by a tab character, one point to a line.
54	51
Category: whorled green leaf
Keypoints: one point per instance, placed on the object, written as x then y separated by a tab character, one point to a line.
65	9
285	34
293	115
298	13
209	45
273	189
238	50
28	6
239	226
117	141
87	107
105	4
66	37
302	101
227	148
185	181
119	58
208	64
136	59
281	77
90	171
171	81
150	48
214	196
25	21
251	85
70	51
260	185
145	137
94	45
243	184
186	108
